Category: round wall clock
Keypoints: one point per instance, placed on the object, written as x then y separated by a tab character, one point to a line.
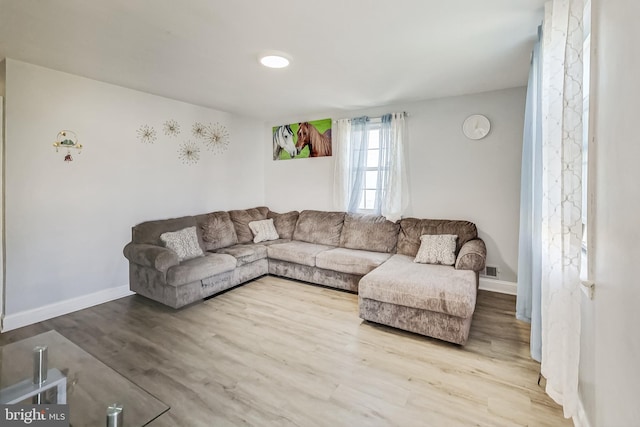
476	126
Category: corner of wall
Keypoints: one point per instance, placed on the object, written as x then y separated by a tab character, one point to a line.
581	419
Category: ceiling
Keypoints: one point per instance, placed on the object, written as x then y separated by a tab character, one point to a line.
347	54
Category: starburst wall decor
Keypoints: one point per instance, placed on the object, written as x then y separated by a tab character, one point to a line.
198	130
189	153
171	128
216	137
147	134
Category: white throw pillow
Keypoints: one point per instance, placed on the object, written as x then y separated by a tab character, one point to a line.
263	230
183	242
437	249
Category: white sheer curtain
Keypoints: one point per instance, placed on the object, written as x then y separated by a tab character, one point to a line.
528	307
392	177
341	134
351	138
350	154
561	201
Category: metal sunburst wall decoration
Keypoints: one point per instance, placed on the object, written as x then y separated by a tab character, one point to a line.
189	153
216	137
171	128
198	130
147	134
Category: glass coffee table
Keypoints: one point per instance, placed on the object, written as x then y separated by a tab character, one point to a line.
91	386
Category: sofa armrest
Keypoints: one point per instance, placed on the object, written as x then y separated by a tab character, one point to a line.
472	256
153	256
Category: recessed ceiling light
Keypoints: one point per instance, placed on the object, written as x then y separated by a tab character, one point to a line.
274	61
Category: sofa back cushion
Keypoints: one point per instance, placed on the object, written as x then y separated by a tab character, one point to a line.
242	218
320	227
412	228
217	230
285	223
149	232
369	232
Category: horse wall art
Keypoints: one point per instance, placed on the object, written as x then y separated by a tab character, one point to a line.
319	143
283	141
300	140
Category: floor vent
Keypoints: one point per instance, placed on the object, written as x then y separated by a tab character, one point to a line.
490	271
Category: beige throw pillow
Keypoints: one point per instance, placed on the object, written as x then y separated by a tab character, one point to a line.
437	249
183	242
263	230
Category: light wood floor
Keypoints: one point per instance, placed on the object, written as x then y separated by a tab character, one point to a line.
276	352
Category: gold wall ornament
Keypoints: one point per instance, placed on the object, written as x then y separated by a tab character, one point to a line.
171	128
216	137
67	139
147	134
189	153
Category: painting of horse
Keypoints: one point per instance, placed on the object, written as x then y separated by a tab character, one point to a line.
319	143
283	141
301	140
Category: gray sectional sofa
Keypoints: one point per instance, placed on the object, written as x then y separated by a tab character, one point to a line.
360	253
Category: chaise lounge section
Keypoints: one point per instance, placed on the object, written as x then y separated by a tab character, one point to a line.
429	299
355	252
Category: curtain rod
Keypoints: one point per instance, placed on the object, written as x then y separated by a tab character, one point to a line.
406	114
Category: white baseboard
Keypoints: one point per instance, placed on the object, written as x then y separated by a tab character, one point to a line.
500	286
29	317
580	419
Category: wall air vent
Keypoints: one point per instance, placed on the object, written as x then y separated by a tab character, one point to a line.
490	271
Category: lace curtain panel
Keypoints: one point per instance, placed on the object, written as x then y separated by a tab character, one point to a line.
392	176
341	136
562	200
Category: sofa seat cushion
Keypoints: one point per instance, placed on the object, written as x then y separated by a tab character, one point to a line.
274	242
438	288
245	254
200	268
297	252
351	261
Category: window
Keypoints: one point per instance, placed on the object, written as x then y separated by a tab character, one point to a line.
370	175
372	183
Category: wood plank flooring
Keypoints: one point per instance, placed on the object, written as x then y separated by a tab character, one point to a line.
276	352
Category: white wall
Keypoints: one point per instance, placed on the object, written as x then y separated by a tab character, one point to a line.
450	176
66	223
2	76
609	370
